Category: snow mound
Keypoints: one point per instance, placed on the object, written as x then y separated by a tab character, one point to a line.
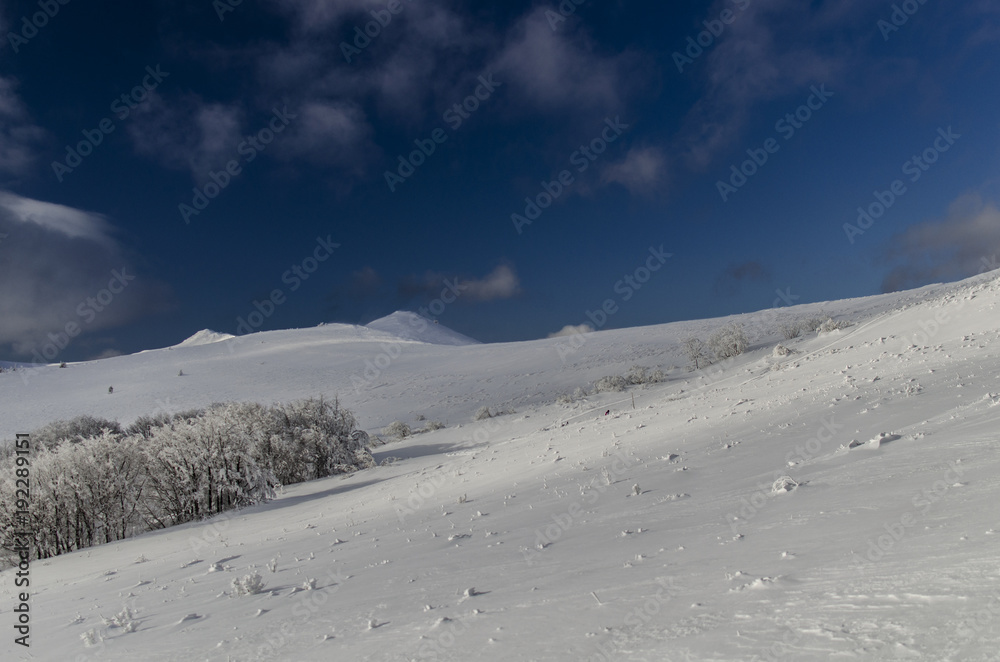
205	337
411	326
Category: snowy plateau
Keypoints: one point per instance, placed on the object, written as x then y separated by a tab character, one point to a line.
837	498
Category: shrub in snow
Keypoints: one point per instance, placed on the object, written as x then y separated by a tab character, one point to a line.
91	638
251	584
433	425
610	383
780	350
397	429
784	484
482	414
56	433
790	331
124	619
570	398
171	469
811	324
728	342
696	352
829	324
638	375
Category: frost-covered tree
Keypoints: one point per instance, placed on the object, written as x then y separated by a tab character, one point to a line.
81	427
696	352
729	341
94	484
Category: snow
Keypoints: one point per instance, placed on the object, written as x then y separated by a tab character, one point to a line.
205	337
726	517
411	326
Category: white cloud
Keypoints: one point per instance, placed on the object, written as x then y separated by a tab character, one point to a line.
558	71
187	133
70	222
962	244
642	170
52	259
771	49
327	133
19	136
501	283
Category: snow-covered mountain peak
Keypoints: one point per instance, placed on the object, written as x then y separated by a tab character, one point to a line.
411	326
205	337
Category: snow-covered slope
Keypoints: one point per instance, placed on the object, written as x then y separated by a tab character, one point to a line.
562	533
204	337
411	326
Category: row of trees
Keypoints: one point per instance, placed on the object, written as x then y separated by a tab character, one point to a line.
728	342
93	482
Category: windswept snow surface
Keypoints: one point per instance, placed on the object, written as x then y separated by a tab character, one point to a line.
411	326
559	532
205	337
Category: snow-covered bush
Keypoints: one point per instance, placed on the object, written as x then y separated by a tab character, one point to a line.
696	352
638	375
482	414
251	584
829	324
168	470
433	425
58	432
791	330
728	342
124	619
783	484
811	324
570	398
610	383
397	429
144	425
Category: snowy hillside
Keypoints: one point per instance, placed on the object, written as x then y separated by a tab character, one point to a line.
411	326
835	502
204	337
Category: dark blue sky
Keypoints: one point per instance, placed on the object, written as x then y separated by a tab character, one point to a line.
97	254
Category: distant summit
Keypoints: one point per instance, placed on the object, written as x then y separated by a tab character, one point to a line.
411	326
205	337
